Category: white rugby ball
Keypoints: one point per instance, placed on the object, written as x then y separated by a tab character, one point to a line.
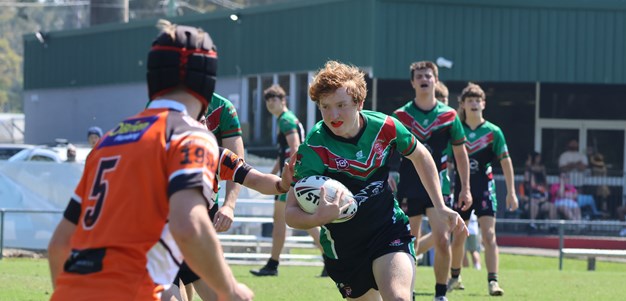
307	192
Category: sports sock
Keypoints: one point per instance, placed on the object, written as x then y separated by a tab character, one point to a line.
440	289
492	277
272	264
454	273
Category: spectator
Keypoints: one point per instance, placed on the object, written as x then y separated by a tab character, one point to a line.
599	169
536	171
71	153
564	197
540	205
573	163
94	134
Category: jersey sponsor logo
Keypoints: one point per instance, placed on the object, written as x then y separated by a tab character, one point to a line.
346	289
342	163
129	131
396	243
474	165
372	189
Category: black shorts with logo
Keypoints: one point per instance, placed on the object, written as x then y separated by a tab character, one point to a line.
354	276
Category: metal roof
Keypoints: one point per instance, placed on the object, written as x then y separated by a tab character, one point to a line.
575	41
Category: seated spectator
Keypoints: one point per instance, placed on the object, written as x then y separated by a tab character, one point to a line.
573	163
71	153
540	205
599	169
564	196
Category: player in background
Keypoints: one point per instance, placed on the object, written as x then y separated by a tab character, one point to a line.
233	168
290	136
141	203
441	92
370	256
222	120
435	125
426	241
485	144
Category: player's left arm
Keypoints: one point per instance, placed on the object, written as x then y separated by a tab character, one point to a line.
226	213
59	248
511	196
501	150
269	183
427	171
462	164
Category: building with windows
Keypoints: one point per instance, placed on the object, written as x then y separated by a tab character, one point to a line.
552	69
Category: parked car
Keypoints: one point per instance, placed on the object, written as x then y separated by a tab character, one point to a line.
7	150
41	154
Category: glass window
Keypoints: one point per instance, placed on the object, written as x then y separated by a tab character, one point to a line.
553	144
610	145
583	101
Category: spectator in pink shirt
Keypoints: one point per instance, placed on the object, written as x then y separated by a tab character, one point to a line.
564	197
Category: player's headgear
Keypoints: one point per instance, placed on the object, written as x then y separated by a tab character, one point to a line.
185	57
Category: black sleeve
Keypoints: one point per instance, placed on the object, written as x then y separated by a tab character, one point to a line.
72	212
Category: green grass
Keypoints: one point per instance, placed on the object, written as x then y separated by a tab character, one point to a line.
522	278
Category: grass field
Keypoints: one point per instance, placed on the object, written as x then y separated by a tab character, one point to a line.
522	278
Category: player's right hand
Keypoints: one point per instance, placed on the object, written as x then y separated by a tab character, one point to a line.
242	293
328	211
454	221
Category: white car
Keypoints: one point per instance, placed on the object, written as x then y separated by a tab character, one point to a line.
7	150
37	154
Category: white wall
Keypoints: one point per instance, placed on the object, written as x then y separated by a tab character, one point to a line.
68	113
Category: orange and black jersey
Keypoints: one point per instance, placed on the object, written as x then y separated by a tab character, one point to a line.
122	248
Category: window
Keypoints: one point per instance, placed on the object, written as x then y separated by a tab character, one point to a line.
583	101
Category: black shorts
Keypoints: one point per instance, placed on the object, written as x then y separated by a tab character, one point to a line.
418	206
185	273
483	204
354	276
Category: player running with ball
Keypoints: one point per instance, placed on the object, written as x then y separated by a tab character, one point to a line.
371	255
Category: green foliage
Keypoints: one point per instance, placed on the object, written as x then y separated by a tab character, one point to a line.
521	277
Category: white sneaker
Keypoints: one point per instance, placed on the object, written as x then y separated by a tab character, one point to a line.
440	298
455	284
494	289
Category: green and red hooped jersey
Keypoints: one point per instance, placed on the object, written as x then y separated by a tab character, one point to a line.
288	123
436	129
484	145
222	119
361	164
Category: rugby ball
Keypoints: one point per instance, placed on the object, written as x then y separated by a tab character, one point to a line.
307	192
